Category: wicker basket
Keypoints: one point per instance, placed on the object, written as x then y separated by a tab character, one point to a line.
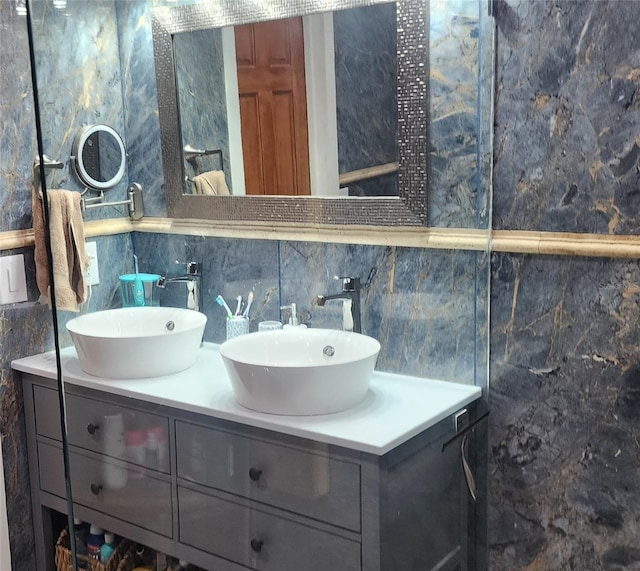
122	558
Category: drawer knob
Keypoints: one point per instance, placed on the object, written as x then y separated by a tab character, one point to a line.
255	474
256	545
96	489
92	428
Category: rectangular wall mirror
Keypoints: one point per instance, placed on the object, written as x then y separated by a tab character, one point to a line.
332	127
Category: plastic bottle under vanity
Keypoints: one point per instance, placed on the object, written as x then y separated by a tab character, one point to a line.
80	532
95	539
108	547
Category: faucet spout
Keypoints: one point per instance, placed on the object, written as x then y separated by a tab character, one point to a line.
322	299
350	291
192	283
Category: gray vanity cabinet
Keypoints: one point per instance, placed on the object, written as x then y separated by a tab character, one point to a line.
309	482
230	497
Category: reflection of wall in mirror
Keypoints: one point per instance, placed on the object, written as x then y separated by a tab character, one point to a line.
364	44
202	100
366	93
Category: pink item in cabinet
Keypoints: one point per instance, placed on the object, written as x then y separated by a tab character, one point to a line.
136	441
159	438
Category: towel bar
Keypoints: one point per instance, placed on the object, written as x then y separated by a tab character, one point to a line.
190	154
135	202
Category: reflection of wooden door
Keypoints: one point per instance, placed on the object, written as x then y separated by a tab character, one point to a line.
273	107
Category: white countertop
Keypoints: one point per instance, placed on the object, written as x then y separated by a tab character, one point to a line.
396	408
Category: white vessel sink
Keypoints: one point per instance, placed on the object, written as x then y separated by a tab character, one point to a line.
137	342
300	371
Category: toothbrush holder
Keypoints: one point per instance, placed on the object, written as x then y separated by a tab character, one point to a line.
237	326
138	290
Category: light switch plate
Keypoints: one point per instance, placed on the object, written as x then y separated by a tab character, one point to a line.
13	280
92	274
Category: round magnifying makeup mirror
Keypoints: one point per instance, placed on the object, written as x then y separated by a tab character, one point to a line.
99	156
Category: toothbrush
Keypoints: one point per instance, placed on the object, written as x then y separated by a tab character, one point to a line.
245	313
239	300
222	303
138	289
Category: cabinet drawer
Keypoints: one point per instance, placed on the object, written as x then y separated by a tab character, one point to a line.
311	484
47	412
260	540
112	487
101	426
51	469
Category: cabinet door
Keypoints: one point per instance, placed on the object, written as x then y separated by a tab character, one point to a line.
110	486
425	511
247	535
88	427
47	412
51	469
311	484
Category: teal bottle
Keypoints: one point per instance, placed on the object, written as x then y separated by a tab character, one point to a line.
108	547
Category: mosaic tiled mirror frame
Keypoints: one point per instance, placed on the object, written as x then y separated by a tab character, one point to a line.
409	209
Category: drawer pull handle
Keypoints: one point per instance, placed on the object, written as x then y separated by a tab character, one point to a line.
256	545
255	474
92	428
96	489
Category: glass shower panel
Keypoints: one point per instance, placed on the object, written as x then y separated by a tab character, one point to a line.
148	460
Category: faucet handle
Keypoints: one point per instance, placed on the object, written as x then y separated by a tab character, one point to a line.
349	283
191	267
293	318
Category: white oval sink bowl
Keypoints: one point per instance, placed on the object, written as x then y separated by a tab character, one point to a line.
137	342
300	371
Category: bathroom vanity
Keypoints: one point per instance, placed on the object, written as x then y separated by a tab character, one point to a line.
379	487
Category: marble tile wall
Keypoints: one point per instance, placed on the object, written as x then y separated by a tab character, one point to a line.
229	268
79	83
140	97
564	466
23	327
419	303
458	32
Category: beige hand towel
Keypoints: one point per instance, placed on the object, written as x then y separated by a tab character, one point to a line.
70	259
212	183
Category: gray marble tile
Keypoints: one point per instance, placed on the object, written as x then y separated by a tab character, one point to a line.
24	329
456	198
564	392
567	117
141	101
17	129
419	303
79	83
229	268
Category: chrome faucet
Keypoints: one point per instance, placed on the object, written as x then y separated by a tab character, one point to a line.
350	290
191	280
